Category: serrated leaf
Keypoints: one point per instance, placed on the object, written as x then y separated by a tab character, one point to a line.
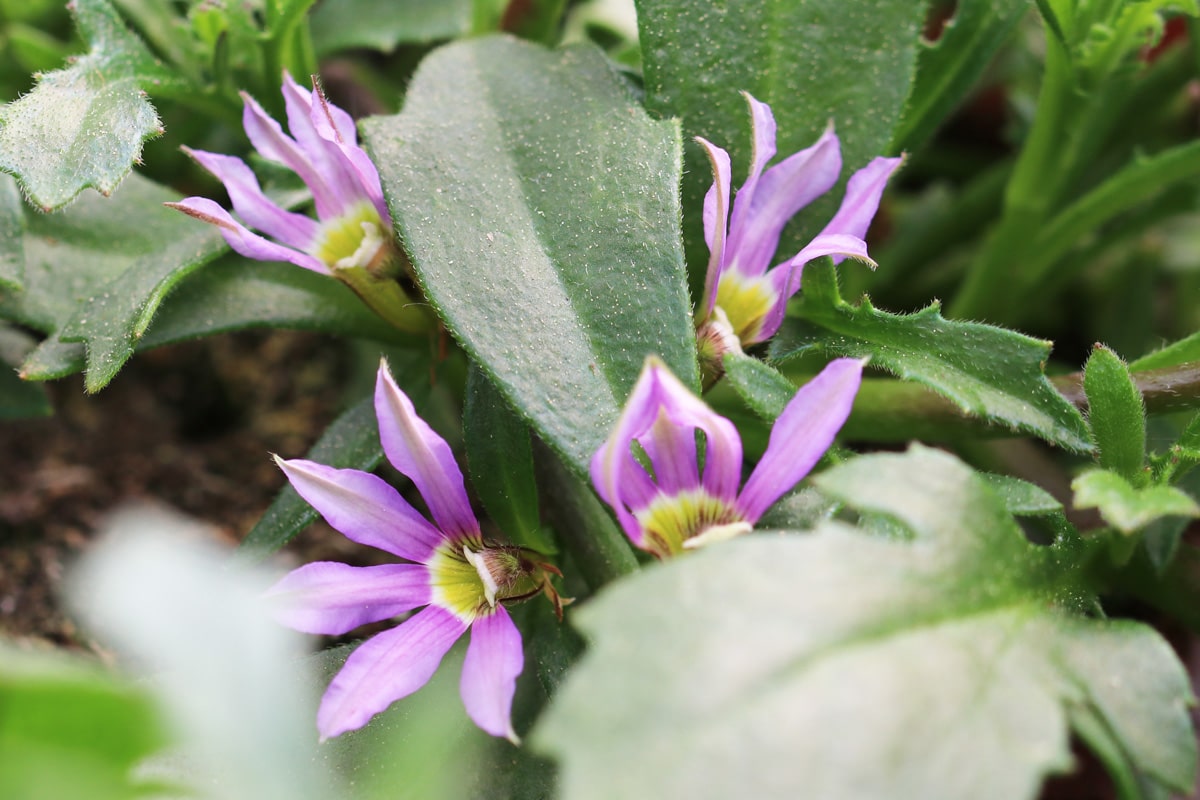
987	371
1128	508
948	68
1116	416
945	667
849	61
539	205
500	460
84	125
383	25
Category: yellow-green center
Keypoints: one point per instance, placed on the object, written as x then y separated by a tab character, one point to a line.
669	523
746	302
355	239
468	577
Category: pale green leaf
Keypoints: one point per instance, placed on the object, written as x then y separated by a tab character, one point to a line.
1126	507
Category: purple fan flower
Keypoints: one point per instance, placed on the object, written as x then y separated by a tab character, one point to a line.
742	297
675	504
461	580
352	237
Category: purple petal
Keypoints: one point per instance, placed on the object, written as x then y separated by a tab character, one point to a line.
331	598
424	457
336	129
803	432
716	215
863	192
785	278
783	190
762	137
272	143
672	451
489	677
325	157
294	230
387	667
364	508
242	239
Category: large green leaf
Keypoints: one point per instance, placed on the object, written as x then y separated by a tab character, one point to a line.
837	664
987	371
84	125
849	61
948	68
539	205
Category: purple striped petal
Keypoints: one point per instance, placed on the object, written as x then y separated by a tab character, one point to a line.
863	192
423	457
273	144
242	239
672	451
783	190
364	508
259	211
489	677
801	434
762	150
716	216
331	598
387	667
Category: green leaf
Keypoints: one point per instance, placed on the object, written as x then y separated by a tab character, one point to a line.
944	667
1180	352
12	231
1116	416
539	206
19	399
84	125
68	729
383	25
1020	497
1126	507
986	371
760	385
849	61
500	460
948	68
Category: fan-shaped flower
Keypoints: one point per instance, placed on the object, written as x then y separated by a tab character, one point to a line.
742	296
461	580
678	504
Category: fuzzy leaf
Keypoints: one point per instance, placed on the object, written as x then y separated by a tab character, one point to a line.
949	666
1126	507
849	61
987	371
539	205
84	125
1116	416
383	25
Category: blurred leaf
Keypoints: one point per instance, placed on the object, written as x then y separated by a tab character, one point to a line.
1128	508
987	371
384	25
68	729
19	399
12	231
759	385
84	125
1116	416
500	461
1021	497
226	674
949	666
813	61
948	68
539	205
1174	354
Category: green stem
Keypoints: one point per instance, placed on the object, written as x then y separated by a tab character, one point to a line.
598	548
387	298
